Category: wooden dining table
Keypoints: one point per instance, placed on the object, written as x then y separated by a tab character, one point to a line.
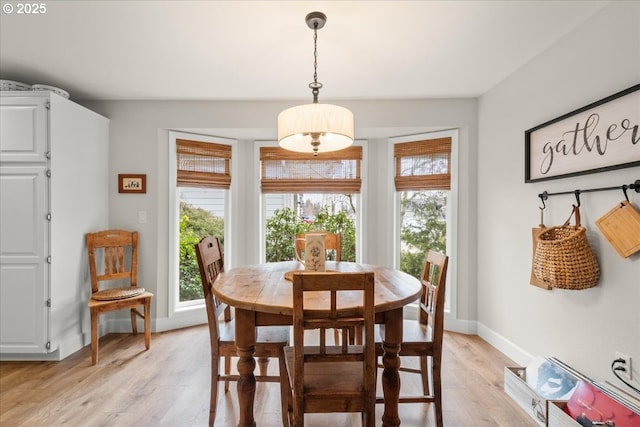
262	296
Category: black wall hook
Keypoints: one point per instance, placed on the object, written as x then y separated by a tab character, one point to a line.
624	190
543	196
577	194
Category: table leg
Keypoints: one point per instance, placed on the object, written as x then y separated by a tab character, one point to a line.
246	344
391	362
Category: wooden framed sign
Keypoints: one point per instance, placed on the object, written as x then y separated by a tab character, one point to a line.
601	136
128	183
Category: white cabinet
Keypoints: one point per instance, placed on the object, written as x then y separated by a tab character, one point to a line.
53	190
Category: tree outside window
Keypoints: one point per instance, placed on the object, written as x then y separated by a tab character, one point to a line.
423	228
195	223
334	213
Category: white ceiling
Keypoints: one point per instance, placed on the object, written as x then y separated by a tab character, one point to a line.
263	50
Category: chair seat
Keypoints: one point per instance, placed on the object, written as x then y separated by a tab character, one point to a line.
330	379
121	302
117	293
264	334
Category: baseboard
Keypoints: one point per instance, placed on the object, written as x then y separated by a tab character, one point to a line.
468	327
197	316
182	319
70	344
506	347
452	324
472	327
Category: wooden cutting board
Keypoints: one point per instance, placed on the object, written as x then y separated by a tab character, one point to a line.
621	227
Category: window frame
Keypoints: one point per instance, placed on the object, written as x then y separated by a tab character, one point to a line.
452	209
175	307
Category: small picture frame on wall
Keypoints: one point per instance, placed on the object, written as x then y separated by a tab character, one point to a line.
599	137
132	183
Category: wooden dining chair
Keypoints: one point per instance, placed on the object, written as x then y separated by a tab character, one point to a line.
270	340
333	247
113	257
339	378
332	244
423	337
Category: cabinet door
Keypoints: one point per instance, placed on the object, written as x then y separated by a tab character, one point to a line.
23	134
23	260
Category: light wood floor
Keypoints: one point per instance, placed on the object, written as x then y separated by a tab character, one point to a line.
169	386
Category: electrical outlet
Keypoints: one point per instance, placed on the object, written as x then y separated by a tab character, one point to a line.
142	217
627	365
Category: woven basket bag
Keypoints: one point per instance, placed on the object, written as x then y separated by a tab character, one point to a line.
563	257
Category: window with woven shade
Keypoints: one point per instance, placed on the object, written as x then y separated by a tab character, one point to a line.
424	170
203	164
284	171
423	165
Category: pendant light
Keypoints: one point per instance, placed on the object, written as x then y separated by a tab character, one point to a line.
315	128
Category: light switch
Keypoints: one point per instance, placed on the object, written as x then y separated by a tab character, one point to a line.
142	217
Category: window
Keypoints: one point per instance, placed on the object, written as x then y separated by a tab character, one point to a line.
200	179
302	193
422	175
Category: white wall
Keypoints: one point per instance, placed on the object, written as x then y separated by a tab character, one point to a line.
583	328
138	144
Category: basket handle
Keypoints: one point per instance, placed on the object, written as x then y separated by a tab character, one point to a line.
576	211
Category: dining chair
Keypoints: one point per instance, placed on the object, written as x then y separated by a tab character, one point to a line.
338	378
270	340
332	244
423	337
113	258
333	247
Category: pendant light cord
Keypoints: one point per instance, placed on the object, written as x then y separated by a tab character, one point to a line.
315	86
315	53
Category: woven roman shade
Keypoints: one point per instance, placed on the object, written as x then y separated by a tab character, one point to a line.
284	171
203	164
423	165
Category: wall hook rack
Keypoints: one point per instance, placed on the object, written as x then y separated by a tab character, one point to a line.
633	186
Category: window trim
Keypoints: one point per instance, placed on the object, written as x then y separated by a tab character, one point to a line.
196	306
452	209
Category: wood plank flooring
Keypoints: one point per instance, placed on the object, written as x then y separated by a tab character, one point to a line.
169	386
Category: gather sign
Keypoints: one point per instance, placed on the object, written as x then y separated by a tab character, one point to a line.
601	136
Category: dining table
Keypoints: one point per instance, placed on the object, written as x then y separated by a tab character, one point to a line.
262	296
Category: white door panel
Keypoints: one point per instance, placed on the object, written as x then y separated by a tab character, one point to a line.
23	131
23	253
